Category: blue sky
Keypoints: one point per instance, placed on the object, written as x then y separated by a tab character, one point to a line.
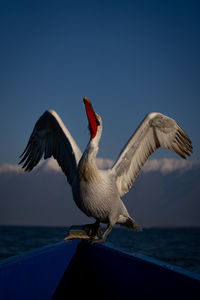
128	57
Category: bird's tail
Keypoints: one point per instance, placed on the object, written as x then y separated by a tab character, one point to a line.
129	223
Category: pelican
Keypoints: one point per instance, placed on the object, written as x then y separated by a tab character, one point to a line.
97	193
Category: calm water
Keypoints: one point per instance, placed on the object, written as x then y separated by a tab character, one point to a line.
177	246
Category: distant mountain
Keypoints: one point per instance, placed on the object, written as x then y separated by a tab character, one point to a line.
166	193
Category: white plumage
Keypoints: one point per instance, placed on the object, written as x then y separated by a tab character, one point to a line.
96	192
156	130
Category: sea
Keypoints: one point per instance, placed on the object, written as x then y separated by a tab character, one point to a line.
176	246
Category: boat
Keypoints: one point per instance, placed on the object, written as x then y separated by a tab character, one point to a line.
74	268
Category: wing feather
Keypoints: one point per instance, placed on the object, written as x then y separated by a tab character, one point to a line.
155	130
50	137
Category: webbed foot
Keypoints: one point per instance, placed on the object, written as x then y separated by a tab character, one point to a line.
88	231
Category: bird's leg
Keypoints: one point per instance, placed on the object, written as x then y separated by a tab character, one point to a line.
93	229
97	228
104	236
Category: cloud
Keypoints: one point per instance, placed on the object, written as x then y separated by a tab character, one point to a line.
168	165
165	166
104	164
49	165
8	168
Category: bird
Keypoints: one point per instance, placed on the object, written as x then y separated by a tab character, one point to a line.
96	192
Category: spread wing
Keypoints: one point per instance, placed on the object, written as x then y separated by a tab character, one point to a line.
156	130
51	138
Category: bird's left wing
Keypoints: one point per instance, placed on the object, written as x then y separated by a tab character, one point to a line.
51	138
156	130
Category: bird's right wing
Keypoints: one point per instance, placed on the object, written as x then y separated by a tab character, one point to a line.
156	130
51	138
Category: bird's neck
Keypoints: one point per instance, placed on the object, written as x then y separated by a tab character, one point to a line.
91	149
87	169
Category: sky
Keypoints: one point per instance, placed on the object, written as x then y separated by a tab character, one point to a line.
128	57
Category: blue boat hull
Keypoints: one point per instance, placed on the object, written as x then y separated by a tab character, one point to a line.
94	272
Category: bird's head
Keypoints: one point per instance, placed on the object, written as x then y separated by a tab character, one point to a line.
95	123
